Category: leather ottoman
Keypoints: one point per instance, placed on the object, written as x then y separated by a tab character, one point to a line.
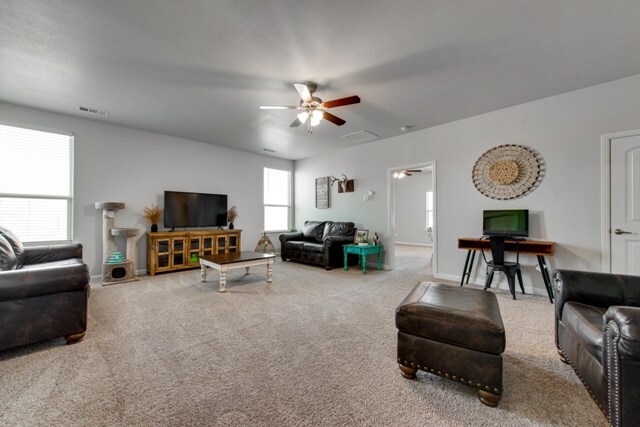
453	332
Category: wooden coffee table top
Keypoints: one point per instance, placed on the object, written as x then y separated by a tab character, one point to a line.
230	258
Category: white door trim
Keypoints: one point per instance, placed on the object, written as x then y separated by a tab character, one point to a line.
605	194
391	225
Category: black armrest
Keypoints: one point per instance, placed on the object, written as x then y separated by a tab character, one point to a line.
285	237
597	289
626	331
342	240
20	284
50	253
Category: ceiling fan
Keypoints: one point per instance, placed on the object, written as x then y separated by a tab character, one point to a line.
313	109
405	172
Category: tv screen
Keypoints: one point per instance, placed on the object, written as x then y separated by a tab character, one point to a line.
194	209
514	222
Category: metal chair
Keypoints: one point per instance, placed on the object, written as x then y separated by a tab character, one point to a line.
511	269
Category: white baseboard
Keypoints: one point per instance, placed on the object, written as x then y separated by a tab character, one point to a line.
429	245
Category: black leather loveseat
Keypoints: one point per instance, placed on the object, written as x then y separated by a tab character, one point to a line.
320	242
598	334
43	292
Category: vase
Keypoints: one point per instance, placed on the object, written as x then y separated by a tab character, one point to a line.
230	226
154	228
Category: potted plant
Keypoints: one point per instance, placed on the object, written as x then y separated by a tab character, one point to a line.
153	215
232	214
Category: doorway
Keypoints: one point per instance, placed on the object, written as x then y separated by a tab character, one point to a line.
621	203
412	217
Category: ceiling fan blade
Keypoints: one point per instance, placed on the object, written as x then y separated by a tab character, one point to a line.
295	123
279	107
333	119
342	101
303	91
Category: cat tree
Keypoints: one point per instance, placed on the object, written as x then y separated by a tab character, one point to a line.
115	267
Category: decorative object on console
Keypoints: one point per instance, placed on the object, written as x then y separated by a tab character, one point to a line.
153	215
345	185
322	192
232	214
264	245
123	271
362	237
375	238
508	171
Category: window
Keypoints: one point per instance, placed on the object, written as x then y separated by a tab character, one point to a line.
277	199
429	210
36	194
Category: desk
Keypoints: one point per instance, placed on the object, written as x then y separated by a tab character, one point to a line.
529	247
362	251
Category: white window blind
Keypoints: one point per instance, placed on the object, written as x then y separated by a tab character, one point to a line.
36	193
277	199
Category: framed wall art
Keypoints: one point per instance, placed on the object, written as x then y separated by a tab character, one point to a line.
322	192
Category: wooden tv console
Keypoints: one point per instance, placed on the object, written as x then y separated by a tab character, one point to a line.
178	250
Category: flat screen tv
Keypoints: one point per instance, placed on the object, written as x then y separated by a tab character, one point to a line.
194	209
514	222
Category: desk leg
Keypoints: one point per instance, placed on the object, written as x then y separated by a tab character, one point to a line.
379	258
468	266
473	258
544	270
363	261
345	261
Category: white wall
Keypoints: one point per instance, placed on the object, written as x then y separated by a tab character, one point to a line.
410	207
120	164
565	129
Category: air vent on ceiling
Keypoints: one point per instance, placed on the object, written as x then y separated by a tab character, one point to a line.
360	136
90	110
268	150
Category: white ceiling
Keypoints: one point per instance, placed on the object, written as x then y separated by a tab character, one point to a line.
199	69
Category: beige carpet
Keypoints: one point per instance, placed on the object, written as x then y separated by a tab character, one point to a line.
315	348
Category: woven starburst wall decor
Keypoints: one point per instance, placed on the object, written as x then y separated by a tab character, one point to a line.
508	172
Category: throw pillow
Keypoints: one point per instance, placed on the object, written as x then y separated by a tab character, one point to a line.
16	244
7	257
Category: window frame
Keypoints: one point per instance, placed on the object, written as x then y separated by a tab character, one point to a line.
290	197
69	199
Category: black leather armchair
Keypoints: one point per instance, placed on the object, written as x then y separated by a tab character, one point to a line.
46	297
320	242
598	334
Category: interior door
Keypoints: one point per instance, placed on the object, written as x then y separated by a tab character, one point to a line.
625	205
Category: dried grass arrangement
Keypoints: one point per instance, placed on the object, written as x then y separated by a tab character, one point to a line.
152	214
232	214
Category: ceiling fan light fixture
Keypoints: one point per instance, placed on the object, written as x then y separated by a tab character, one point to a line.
303	116
316	117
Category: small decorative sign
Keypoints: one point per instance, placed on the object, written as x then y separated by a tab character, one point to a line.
322	192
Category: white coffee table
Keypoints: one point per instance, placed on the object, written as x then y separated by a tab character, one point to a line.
226	262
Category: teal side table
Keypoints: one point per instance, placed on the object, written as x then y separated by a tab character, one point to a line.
362	252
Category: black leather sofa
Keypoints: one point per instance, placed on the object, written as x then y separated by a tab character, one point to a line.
320	242
598	334
43	293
